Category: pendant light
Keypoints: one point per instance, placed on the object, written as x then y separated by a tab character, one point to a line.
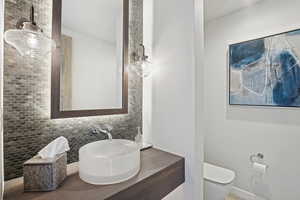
28	38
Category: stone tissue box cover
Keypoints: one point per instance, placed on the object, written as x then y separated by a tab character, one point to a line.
44	174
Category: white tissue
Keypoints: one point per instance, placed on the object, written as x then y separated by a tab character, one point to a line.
260	185
260	168
57	146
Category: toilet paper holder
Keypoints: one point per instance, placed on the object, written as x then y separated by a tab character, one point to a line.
257	158
258	164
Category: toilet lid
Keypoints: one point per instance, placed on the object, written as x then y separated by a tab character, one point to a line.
218	174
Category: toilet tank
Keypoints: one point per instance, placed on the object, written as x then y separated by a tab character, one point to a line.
218	182
218	174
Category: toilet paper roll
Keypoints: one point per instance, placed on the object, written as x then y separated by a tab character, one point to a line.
260	168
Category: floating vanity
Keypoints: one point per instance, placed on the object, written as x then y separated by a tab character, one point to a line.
160	173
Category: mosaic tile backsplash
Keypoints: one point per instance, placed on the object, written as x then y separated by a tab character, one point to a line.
27	123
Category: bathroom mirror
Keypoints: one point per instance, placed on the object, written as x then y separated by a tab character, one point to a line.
89	66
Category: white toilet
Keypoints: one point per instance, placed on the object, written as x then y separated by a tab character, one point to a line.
218	182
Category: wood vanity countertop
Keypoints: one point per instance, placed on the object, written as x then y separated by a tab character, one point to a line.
161	173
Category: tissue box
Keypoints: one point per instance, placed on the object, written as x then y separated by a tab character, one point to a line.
44	174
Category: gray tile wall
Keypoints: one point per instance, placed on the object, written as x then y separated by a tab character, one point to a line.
1	108
27	123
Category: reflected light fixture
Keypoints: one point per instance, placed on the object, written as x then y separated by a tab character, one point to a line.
141	64
28	38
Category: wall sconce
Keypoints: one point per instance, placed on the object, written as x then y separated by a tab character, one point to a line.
28	38
141	64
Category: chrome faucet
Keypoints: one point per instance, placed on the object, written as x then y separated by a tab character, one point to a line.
98	129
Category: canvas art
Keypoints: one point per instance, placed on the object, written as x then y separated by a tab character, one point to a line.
266	71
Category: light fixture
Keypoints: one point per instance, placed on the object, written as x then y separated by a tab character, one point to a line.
141	64
28	38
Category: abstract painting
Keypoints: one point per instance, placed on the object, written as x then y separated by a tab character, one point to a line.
266	71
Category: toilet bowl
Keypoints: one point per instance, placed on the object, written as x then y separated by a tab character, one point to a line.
218	182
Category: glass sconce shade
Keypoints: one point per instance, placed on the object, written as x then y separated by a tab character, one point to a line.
28	38
141	65
29	43
142	68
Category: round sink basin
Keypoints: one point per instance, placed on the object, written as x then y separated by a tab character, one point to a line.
109	161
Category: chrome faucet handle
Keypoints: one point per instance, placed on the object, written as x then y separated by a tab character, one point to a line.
97	129
105	128
94	130
108	127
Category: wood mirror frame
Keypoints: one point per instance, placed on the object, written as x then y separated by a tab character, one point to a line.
57	62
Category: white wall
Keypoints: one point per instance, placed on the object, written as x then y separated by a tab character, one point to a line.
96	74
233	133
148	14
174	88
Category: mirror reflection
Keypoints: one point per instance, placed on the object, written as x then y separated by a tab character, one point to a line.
91	73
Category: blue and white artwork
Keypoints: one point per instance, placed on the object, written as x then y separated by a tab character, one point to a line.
266	72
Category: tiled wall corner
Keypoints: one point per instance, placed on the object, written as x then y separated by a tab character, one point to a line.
27	123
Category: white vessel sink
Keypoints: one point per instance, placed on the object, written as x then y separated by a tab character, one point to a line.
109	161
